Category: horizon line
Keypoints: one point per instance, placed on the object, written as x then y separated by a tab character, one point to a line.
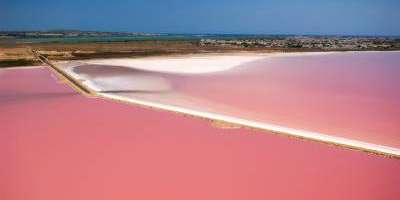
205	33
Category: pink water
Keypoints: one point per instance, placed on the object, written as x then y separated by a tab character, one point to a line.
351	95
56	144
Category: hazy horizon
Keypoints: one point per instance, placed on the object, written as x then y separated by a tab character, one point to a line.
244	34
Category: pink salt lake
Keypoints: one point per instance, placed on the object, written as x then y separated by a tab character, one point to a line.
57	144
354	95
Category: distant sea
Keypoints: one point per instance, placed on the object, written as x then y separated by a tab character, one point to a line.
161	37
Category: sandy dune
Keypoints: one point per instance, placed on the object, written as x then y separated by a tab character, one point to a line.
192	64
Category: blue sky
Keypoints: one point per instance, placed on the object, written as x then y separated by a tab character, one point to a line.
366	17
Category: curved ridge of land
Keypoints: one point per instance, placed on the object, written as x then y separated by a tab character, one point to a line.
301	133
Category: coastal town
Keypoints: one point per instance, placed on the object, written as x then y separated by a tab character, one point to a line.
311	42
261	41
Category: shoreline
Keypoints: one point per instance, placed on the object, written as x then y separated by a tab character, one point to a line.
287	131
20	54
